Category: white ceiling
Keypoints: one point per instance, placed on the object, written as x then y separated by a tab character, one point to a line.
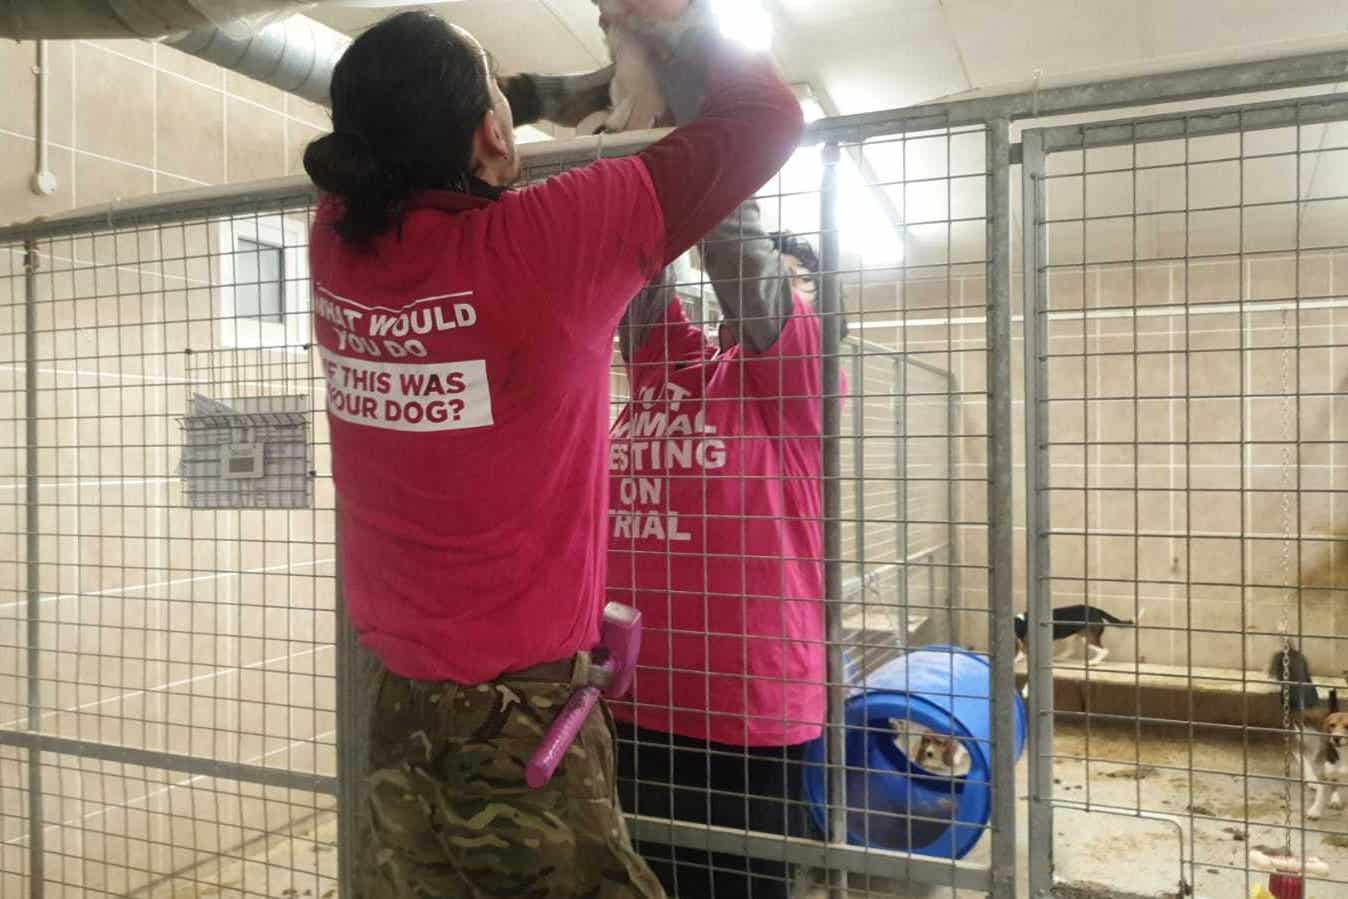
874	54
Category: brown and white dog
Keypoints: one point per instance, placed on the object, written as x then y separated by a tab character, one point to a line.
1336	753
1323	742
936	753
1085	621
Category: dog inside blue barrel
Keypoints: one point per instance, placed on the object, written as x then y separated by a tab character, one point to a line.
928	752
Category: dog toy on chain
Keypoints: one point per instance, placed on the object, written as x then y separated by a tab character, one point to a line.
1287	874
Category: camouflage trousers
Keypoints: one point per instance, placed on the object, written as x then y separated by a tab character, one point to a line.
449	812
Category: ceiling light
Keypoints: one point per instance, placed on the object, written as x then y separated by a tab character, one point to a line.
863	225
745	22
865	228
811	110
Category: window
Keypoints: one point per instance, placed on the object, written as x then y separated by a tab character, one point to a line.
261	272
259	281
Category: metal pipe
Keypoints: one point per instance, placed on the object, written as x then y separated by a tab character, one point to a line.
954	598
1167	127
879	349
829	306
1039	602
196	766
1270	74
931	581
864	860
1001	597
44	180
296	55
349	770
1183	887
75	19
858	462
32	572
901	494
293	53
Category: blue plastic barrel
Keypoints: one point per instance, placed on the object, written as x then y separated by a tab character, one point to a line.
892	802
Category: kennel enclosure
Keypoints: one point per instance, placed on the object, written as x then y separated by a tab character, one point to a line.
183	704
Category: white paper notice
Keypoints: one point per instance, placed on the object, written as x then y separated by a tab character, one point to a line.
426	396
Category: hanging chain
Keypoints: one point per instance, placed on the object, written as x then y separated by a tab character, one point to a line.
1288	590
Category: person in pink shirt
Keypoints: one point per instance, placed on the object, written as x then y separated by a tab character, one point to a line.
715	534
465	335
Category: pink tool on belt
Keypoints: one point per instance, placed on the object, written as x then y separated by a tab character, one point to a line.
613	665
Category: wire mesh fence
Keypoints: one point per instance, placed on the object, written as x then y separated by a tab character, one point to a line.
901	582
172	643
1188	285
169	621
720	464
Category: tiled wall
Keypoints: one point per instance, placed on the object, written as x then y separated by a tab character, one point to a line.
1201	565
194	632
1188	554
203	633
130	117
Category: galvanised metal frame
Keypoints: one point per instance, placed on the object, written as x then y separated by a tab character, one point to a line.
995	113
1038	144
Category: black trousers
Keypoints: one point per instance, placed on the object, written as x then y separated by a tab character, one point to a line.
747	788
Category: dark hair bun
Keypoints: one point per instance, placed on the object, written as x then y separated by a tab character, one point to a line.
407	97
341	163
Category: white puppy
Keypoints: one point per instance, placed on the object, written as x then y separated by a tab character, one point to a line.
637	101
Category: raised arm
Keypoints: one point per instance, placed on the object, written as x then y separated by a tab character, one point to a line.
738	124
635	216
751	280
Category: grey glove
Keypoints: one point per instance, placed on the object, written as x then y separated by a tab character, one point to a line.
560	99
681	69
682	76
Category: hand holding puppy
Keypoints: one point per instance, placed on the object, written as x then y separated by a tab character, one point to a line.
660	23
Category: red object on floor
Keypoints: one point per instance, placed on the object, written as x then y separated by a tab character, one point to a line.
1285	886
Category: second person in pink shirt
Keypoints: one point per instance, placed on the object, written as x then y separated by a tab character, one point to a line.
715	534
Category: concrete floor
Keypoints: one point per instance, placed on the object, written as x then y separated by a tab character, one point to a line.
1202	828
301	864
1212	798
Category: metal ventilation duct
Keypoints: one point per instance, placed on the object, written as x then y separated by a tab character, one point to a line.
262	39
296	55
37	19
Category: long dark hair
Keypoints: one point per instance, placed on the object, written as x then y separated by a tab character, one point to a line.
407	97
